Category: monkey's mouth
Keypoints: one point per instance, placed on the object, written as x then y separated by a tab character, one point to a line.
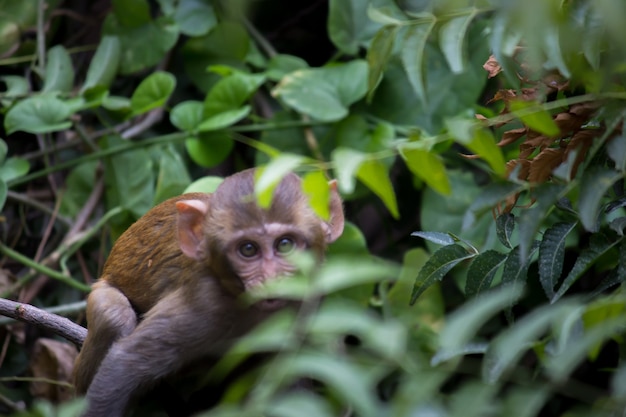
270	304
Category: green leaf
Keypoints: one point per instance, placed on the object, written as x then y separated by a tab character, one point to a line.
224	119
616	150
436	237
16	87
104	64
463	324
618	383
280	65
3	193
13	168
594	186
562	365
509	345
290	140
231	92
59	76
535	117
346	378
346	163
161	34
172	177
268	177
315	185
516	266
472	399
481	272
484	145
299	403
187	115
117	104
152	92
505	223
598	246
38	114
479	140
600	311
79	185
129	178
349	26
386	13
427	166
492	195
195	17
227	44
378	54
4	149
451	39
439	264
413	52
551	255
204	185
344	272
210	148
552	43
375	176
131	13
324	93
10	35
530	220
350	243
525	401
449	94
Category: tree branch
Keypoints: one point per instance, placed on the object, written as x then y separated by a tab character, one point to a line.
32	315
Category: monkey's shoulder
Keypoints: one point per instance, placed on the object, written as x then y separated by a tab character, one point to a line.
146	259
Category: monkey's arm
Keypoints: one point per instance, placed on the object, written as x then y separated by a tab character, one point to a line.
110	317
170	336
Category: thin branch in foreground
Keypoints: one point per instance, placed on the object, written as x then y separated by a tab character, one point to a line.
32	315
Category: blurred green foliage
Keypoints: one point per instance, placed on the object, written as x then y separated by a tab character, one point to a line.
490	130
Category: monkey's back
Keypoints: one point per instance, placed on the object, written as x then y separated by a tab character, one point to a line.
146	261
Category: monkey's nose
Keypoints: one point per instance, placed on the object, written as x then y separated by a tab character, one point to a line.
271	304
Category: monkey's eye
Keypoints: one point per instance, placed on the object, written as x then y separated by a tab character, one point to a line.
285	245
248	250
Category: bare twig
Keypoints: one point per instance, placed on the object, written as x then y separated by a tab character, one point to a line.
32	315
27	200
146	123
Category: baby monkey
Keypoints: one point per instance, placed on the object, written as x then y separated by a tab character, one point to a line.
170	291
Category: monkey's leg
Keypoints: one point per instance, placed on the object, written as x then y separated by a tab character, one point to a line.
110	317
180	328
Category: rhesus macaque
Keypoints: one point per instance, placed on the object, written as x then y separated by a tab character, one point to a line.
170	291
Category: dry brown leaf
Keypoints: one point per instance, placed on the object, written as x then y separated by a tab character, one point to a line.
581	142
542	165
492	66
584	110
555	81
539	141
511	136
568	122
52	360
505	95
524	168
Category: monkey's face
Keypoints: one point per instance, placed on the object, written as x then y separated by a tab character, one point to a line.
260	254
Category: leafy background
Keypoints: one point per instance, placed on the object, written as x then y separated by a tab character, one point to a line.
478	145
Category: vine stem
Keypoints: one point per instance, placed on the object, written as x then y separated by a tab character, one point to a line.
43	269
41	37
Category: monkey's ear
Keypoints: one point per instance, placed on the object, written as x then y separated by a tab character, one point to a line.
191	215
336	221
